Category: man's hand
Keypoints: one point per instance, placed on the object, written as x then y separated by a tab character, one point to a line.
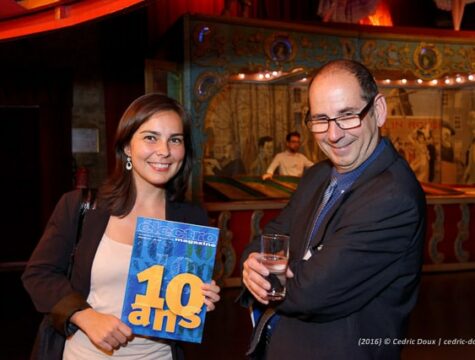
105	331
266	176
253	277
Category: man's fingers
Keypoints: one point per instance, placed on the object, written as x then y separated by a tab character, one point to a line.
253	276
256	287
253	263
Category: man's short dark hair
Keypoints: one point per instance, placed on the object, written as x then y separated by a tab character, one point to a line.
368	86
290	134
263	140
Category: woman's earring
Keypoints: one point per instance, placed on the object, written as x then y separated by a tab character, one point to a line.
128	164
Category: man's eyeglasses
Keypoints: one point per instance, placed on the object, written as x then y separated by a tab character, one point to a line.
344	122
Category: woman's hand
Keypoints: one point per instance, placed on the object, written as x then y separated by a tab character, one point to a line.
211	294
105	331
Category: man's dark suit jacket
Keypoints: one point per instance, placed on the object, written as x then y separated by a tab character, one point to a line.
44	277
353	295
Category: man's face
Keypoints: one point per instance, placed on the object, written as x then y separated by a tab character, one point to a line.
294	144
337	93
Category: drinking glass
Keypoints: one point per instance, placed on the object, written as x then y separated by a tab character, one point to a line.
275	257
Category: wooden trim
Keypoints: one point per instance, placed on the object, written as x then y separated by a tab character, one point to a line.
232	282
246	205
279	204
429	268
12	266
411	34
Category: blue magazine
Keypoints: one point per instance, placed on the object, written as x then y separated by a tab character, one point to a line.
169	263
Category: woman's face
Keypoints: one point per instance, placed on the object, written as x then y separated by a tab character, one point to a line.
157	149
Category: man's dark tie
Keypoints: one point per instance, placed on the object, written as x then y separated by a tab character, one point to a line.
326	197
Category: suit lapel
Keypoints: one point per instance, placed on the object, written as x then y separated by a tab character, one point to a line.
318	238
380	164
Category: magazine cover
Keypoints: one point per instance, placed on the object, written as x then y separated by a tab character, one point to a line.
169	263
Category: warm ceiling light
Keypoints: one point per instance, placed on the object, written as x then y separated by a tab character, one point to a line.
471	77
242	76
434	82
260	76
403	81
419	81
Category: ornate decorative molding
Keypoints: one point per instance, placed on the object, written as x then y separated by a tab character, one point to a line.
428	60
255	223
280	48
437	235
225	255
463	234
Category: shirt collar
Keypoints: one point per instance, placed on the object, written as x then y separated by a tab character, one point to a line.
345	180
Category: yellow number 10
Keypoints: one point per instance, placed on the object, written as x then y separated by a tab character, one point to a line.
173	294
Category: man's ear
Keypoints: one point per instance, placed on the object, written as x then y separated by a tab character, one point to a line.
380	110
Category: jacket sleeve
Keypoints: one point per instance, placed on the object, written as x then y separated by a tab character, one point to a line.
45	275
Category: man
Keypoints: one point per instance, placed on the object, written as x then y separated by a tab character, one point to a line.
354	269
290	162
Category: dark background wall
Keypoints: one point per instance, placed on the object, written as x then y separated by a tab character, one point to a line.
42	79
82	77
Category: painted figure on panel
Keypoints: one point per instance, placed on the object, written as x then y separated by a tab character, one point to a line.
420	163
469	174
264	156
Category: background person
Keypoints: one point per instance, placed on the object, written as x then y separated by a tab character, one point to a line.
355	264
153	163
289	162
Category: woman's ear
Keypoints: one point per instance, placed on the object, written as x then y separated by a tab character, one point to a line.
127	150
380	109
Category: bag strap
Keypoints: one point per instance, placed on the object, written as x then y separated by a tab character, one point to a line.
88	202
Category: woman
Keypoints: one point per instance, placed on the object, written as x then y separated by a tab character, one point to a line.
153	163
